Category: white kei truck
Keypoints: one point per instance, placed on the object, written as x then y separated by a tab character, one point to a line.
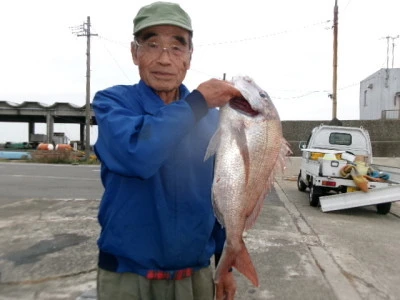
329	151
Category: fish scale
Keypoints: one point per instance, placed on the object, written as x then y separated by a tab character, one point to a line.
249	148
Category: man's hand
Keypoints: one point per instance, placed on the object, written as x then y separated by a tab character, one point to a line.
218	92
226	287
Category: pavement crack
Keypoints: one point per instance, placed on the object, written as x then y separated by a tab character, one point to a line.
353	278
394	214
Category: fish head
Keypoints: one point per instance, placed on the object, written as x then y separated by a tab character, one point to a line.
255	101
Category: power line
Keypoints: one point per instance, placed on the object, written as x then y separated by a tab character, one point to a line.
287	31
299	96
112	57
123	44
348	2
348	86
262	36
308	93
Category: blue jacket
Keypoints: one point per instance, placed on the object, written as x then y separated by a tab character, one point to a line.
156	211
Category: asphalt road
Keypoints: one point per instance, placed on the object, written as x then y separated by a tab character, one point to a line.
20	181
48	233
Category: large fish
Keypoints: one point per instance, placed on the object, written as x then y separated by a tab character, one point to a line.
249	148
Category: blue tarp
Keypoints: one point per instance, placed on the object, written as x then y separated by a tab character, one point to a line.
15	155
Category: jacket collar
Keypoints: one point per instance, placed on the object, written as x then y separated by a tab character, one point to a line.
151	102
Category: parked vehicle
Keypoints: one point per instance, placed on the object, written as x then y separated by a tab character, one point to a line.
337	169
21	145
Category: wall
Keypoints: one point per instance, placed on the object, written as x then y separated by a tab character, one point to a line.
377	93
384	134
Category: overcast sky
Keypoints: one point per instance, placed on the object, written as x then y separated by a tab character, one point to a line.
285	45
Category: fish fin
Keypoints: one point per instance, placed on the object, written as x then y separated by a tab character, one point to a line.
244	265
241	141
284	152
213	145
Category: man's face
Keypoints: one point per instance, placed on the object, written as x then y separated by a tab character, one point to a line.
162	69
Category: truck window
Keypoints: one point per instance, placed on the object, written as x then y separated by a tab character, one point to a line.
338	138
308	140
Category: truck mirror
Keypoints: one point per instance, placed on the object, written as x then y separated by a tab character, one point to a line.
302	145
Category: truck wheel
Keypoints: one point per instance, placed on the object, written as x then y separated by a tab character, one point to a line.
301	186
383	208
313	197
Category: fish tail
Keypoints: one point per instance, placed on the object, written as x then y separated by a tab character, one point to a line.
244	265
239	259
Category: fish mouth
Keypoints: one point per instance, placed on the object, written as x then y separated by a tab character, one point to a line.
242	105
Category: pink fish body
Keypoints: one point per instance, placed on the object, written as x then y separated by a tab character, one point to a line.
249	148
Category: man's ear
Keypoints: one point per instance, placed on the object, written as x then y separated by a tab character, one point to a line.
134	52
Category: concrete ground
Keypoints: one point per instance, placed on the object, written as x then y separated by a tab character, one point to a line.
48	250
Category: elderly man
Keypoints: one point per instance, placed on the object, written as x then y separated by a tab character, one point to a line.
158	229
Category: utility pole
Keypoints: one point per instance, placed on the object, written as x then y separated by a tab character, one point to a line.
335	45
84	30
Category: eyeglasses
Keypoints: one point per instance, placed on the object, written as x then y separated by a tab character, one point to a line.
155	49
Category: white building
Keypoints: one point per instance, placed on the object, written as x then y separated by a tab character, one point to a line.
380	95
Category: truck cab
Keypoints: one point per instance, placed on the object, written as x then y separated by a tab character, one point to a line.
354	140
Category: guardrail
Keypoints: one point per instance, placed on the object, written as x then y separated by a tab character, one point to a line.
390	114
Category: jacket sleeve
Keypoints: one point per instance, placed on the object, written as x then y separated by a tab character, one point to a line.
133	143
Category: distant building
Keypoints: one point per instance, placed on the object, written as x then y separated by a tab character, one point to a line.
380	95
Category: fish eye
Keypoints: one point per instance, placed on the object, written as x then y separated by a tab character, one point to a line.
263	95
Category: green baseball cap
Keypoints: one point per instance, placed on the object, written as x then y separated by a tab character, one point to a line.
161	13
